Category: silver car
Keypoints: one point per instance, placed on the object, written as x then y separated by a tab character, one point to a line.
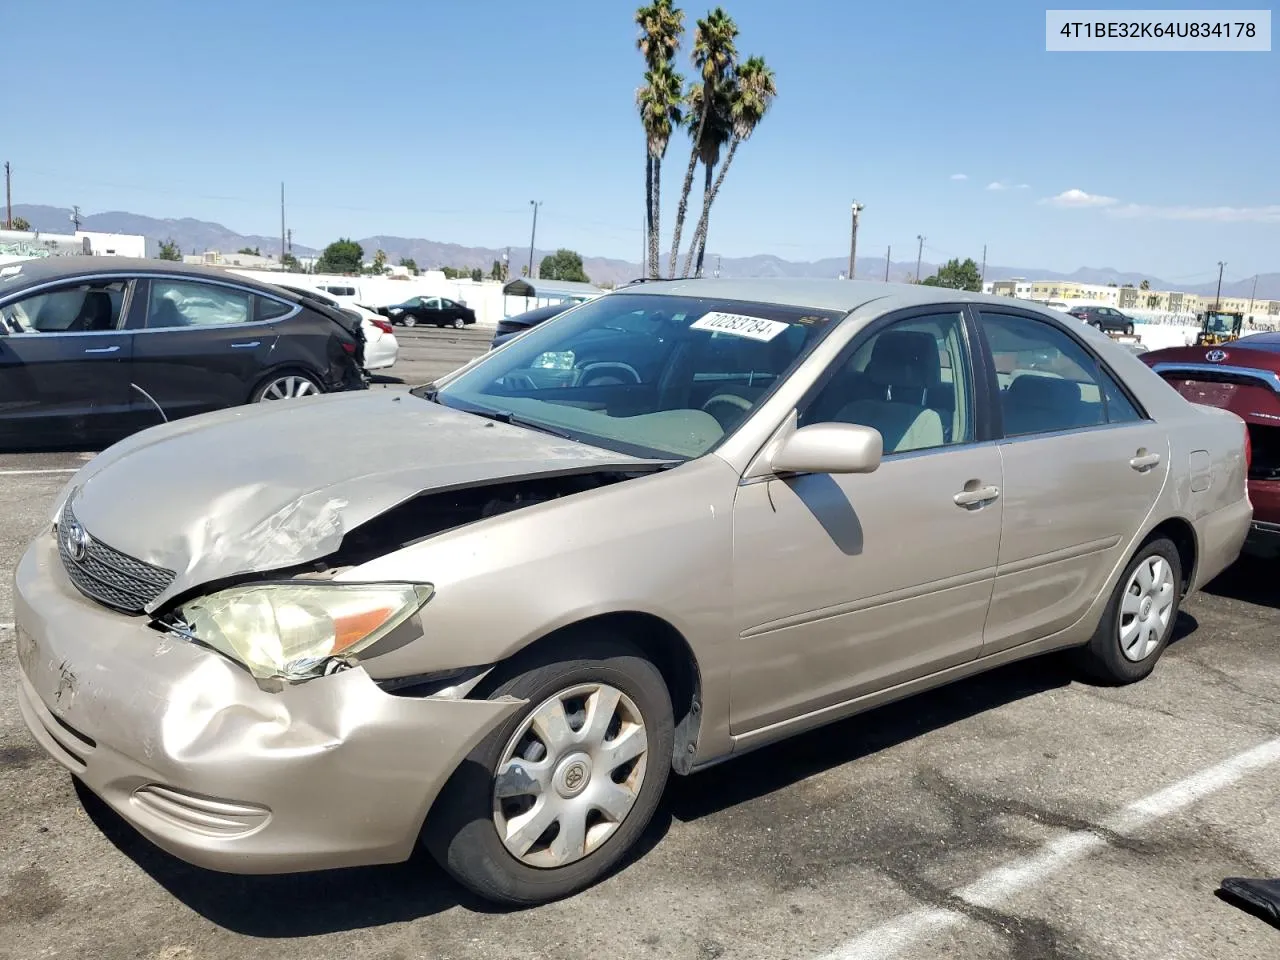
664	528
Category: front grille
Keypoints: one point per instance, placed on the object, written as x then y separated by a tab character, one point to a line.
105	574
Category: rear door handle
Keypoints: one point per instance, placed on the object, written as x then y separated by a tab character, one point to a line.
103	349
251	343
967	498
1144	461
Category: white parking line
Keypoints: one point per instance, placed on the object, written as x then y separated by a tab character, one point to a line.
997	885
20	473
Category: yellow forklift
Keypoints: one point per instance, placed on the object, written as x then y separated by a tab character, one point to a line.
1217	327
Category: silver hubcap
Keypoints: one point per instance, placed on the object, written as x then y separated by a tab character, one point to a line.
569	775
1146	609
287	388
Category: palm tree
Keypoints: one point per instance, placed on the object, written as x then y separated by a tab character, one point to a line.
717	131
659	103
753	90
661	25
713	54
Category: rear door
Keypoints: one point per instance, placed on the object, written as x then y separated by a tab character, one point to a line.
203	345
1083	466
64	363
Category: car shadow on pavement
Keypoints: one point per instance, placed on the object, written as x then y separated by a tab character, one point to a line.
782	764
1250	580
295	904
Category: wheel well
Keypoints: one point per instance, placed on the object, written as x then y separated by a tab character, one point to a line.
1183	536
668	650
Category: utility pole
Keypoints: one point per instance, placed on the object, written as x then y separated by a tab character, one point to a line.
718	267
8	199
282	230
982	277
919	254
289	238
1252	294
533	233
888	252
644	249
1217	300
853	236
506	264
75	217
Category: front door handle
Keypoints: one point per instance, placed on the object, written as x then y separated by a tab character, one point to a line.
968	498
251	343
1144	461
103	349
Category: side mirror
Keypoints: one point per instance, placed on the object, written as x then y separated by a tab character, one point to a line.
829	448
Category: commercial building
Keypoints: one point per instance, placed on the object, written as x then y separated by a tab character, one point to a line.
33	244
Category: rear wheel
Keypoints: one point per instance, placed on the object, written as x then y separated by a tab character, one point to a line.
1139	619
288	385
458	323
552	800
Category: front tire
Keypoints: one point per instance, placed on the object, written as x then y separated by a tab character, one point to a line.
1139	618
552	800
410	320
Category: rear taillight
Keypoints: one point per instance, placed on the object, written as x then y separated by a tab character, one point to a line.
382	325
1248	452
349	347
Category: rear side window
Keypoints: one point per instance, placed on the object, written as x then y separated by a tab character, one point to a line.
268	308
183	303
1048	381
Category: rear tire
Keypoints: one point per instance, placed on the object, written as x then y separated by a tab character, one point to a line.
462	829
459	323
1139	618
286	385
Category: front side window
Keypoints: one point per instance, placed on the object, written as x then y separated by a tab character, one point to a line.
649	375
79	308
911	381
186	303
1048	381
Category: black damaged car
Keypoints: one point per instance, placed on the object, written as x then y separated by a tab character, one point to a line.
95	348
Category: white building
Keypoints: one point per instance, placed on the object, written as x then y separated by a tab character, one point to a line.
114	244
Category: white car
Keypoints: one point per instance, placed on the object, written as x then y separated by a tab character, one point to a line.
381	349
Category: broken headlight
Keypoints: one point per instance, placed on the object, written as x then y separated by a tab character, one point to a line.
292	630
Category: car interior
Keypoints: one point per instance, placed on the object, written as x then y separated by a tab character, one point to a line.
78	309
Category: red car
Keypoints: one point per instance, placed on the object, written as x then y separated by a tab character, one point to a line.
1244	377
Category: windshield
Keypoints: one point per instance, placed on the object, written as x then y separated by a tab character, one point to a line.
655	376
1221	322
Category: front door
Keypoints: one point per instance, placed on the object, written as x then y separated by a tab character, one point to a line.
64	363
1083	467
202	346
850	584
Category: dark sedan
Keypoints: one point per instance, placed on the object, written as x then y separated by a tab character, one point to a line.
509	327
1106	319
95	348
434	311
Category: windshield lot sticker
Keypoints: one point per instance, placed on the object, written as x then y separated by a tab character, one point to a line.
738	325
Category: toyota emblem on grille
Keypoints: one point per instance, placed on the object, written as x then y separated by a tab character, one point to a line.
77	541
1216	356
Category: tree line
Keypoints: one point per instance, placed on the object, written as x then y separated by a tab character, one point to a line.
720	109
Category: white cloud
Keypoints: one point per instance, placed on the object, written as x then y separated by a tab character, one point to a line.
1264	214
996	185
959	176
1078	198
1023	186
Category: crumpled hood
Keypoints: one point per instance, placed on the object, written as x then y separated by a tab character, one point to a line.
272	485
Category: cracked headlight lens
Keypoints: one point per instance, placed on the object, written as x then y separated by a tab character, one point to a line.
291	630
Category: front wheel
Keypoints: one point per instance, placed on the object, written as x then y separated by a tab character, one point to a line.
1128	330
552	800
1139	619
410	320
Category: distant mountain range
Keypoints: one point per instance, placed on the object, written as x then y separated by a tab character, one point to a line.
197	236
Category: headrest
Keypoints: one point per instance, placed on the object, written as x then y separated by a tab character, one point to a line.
1035	390
905	358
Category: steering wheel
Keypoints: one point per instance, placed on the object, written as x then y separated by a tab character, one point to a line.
729	400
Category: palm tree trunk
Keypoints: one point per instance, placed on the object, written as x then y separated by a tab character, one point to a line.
655	232
648	210
702	219
700	234
688	184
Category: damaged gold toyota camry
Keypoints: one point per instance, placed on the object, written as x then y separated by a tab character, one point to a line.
666	527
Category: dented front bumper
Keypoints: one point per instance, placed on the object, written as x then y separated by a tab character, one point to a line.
187	747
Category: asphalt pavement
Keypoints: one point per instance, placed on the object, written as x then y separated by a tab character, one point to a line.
1022	814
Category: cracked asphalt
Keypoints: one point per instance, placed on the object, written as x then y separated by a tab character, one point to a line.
794	851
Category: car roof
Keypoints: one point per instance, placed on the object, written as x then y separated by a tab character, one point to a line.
29	273
819	294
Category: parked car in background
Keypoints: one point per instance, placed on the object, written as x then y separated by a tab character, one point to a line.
1106	319
381	349
673	525
1242	376
95	348
509	327
433	311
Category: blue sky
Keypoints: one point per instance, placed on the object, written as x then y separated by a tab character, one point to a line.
444	119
